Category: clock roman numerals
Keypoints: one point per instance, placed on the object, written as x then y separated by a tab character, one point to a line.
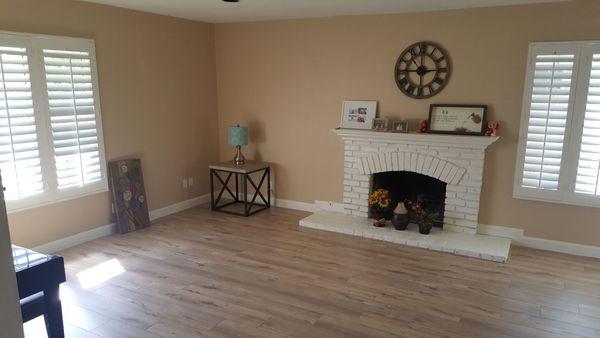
402	82
413	53
432	52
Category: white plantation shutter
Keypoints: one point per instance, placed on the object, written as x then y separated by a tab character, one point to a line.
588	167
72	117
51	145
559	144
548	113
19	154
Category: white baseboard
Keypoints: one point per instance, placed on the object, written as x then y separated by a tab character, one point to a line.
518	238
500	231
329	206
71	241
309	207
281	203
180	206
105	230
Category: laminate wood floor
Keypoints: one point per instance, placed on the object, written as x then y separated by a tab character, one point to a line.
204	274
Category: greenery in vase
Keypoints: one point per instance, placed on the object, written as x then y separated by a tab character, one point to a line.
422	216
380	200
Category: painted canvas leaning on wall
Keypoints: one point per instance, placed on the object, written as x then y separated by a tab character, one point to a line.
129	195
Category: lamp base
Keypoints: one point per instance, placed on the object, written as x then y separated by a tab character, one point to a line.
239	159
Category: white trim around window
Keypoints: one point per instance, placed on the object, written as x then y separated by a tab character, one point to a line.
558	158
51	140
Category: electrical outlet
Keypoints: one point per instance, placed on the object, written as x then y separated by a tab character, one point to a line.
185	183
190	182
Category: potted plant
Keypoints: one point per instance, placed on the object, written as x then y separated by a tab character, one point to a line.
424	218
379	202
400	218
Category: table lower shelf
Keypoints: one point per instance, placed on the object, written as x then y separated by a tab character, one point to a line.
237	208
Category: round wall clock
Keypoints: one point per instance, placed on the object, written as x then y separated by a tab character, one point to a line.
422	70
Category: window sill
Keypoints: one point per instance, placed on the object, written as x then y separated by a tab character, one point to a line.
46	199
575	200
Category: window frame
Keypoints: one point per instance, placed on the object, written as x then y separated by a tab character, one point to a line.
35	43
565	194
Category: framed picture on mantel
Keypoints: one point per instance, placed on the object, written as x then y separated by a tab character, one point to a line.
457	119
358	114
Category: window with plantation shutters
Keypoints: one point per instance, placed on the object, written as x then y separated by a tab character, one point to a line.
559	145
588	166
550	97
19	154
51	146
72	117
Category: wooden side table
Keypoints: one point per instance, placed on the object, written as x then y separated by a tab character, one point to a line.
245	170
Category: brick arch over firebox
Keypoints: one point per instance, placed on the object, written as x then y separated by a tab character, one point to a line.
432	166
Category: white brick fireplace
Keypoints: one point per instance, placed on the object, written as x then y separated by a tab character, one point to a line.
455	160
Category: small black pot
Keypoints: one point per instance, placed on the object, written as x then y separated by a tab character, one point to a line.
425	228
400	222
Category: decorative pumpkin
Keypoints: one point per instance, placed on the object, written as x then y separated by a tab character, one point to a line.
423	127
492	128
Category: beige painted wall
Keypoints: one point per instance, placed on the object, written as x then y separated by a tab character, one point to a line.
158	97
287	80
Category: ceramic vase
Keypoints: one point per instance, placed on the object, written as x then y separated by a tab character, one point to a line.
399	221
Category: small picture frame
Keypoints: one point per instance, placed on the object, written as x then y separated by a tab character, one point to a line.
457	119
358	114
399	126
380	124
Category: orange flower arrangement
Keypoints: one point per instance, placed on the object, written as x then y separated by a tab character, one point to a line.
380	200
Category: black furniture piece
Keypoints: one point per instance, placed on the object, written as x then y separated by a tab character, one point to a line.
243	171
38	279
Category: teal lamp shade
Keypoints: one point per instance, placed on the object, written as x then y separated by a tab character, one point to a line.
238	136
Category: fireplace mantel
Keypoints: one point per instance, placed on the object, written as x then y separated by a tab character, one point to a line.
457	141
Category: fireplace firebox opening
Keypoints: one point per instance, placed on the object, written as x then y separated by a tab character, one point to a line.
402	185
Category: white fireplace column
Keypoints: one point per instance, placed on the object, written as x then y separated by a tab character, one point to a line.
456	160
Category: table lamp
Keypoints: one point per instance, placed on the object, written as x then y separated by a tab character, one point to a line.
238	136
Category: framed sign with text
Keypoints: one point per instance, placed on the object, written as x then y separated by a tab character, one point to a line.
457	119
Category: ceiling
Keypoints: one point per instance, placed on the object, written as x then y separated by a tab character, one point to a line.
260	10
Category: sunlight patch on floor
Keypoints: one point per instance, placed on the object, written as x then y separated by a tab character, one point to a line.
100	273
